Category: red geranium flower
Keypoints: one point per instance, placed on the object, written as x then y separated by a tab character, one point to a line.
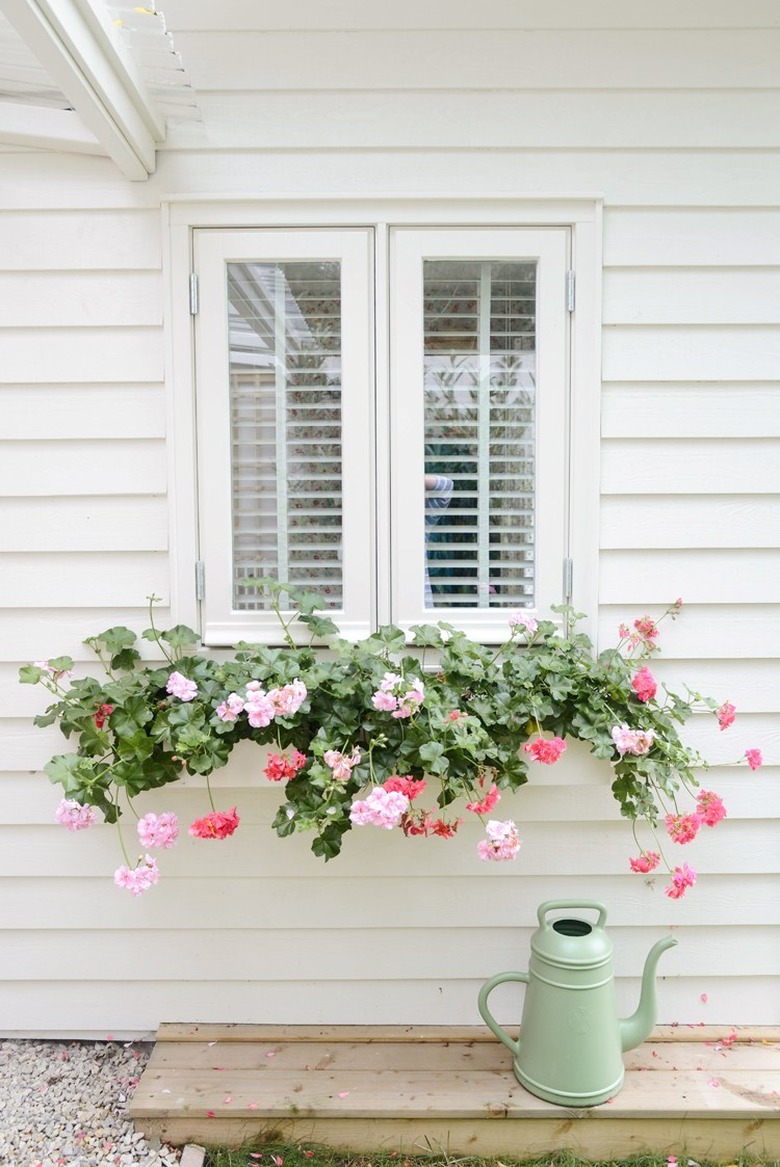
102	715
217	825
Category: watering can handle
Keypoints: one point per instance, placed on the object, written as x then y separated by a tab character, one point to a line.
557	905
487	1016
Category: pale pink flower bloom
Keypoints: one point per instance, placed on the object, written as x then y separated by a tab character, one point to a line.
644	685
711	807
389	682
341	764
521	620
55	673
754	759
647	861
137	879
502	841
181	687
725	715
289	698
382	808
73	815
683	828
230	708
632	741
257	706
411	700
682	878
158	830
384	701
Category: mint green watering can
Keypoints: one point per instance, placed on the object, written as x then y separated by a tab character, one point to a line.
571	1040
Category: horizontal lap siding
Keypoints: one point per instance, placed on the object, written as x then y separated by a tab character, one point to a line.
675	125
84	521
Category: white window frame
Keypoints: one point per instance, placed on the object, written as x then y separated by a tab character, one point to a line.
548	247
213	251
581	215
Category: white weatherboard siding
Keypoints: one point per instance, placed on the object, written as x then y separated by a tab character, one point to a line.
673	123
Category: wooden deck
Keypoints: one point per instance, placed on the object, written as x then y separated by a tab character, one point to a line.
688	1089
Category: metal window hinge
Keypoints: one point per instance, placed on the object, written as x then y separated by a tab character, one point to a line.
200	579
568	579
570	290
194	303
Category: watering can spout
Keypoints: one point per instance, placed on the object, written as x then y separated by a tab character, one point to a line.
635	1029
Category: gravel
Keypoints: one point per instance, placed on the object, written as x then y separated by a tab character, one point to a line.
64	1104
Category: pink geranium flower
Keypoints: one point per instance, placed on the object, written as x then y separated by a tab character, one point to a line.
683	828
754	759
682	878
647	861
281	768
521	620
288	699
726	715
411	787
341	764
487	803
382	808
644	685
139	878
547	750
258	706
632	741
397	696
216	825
158	830
502	841
711	807
181	687
229	709
73	815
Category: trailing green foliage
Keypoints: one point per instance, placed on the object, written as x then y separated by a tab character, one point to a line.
474	716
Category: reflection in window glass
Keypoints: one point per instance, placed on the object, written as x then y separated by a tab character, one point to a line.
480	401
285	411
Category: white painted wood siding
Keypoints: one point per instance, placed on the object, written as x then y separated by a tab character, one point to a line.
667	113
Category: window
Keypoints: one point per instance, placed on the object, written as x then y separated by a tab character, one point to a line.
383	415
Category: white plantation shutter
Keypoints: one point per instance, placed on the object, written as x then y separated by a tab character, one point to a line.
479	355
284	388
285	419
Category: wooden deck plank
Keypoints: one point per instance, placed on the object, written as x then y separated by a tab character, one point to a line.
307	1055
177	1031
717	1142
709	1089
470	1094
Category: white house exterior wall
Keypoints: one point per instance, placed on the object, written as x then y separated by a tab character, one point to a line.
674	127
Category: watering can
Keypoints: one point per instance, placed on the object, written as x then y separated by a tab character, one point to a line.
571	1039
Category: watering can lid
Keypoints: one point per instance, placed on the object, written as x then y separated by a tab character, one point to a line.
571	939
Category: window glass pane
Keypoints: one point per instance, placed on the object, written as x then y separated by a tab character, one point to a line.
285	417
480	402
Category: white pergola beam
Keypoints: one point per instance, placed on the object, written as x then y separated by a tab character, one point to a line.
76	45
42	128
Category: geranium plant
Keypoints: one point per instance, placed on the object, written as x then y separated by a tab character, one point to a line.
398	732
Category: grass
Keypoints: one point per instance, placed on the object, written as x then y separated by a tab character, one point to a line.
311	1155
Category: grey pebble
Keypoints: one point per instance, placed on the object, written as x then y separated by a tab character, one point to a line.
64	1103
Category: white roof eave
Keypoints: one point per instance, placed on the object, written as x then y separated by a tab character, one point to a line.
76	44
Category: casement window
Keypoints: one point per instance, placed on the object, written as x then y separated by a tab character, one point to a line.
383	416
